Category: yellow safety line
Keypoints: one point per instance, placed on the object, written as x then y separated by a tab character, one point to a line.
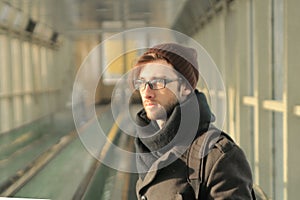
111	136
125	194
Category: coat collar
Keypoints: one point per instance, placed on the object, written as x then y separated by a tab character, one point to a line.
164	160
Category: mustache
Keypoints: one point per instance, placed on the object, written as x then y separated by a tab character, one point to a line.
149	101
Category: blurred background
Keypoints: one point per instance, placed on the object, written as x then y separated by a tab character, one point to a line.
43	43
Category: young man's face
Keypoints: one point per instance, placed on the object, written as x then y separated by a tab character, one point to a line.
158	103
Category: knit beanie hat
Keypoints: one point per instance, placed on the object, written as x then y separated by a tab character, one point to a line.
183	59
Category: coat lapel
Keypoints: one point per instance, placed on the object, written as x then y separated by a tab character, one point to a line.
163	161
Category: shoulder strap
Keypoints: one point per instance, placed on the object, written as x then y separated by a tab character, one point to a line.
196	157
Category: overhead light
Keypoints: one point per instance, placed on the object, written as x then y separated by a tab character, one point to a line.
43	31
7	14
12	18
4	8
20	21
56	38
59	39
30	25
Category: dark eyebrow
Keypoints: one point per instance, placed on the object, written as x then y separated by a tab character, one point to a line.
163	77
155	77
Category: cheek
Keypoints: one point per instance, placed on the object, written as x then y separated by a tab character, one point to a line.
174	88
172	93
168	97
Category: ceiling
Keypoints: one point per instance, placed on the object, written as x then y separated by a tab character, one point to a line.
80	16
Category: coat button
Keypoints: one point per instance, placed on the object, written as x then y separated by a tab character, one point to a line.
143	197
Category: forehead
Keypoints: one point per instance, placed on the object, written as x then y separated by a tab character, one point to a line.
158	69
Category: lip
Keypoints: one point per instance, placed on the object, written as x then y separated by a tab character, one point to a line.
149	104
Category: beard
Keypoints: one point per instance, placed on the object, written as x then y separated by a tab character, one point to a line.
161	112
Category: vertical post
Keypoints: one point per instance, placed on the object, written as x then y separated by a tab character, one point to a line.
278	69
262	54
11	115
291	123
2	72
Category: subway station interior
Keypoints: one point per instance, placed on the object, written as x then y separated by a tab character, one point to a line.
61	62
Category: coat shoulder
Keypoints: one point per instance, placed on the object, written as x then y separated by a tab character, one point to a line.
226	166
224	147
224	143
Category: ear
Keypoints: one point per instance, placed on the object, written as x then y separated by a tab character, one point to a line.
185	91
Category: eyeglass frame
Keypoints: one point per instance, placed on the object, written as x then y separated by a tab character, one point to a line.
150	83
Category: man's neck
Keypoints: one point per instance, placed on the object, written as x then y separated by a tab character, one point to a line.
161	123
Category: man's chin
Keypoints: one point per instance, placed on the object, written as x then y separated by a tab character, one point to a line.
156	115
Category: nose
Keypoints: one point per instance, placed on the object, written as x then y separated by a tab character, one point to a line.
148	93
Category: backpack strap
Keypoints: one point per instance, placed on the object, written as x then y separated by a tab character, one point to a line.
196	159
197	156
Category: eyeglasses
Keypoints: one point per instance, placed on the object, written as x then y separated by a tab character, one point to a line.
154	84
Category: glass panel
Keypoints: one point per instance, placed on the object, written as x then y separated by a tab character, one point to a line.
51	78
278	50
44	81
2	63
278	161
28	79
36	66
251	152
17	105
115	69
28	82
5	73
37	80
5	86
44	73
2	80
251	43
17	82
115	62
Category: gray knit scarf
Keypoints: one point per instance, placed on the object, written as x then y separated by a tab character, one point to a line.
151	148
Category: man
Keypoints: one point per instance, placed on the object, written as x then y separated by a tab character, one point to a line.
174	122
